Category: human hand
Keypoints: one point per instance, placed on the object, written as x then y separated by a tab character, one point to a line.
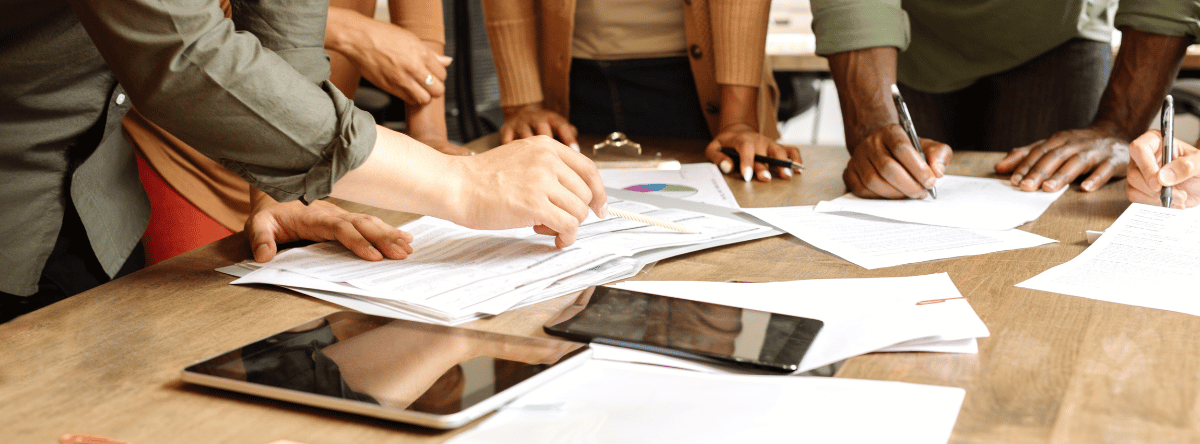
272	223
748	142
1146	178
397	61
534	182
886	165
525	121
1055	162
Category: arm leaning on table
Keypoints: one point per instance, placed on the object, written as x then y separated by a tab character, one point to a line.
298	137
1147	176
739	32
1155	36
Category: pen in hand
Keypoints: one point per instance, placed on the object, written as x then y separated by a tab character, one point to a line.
1168	145
910	130
782	163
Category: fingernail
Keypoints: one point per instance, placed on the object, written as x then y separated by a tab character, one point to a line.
747	173
1016	179
404	246
575	146
1166	177
766	175
1087	185
726	166
603	213
372	252
1027	183
1050	184
261	250
787	172
929	183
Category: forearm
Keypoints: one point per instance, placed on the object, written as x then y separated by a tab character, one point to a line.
739	105
864	78
1144	70
428	121
402	174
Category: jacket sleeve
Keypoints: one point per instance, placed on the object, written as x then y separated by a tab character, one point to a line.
512	32
252	93
1175	18
739	30
848	25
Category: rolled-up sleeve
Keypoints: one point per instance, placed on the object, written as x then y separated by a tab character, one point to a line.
253	94
1175	18
848	25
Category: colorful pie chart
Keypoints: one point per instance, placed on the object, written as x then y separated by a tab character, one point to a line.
664	189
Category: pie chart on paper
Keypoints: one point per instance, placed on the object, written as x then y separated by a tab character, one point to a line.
663	189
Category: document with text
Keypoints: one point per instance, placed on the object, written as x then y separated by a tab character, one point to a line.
872	242
456	273
1149	257
962	202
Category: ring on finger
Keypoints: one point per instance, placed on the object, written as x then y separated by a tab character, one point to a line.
429	79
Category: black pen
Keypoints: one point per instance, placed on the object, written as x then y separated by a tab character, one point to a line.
1168	145
906	123
782	163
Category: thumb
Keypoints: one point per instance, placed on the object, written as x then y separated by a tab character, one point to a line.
262	242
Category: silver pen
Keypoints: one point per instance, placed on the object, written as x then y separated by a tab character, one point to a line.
1168	145
906	123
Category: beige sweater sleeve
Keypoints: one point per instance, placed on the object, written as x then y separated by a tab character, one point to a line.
511	28
421	17
739	40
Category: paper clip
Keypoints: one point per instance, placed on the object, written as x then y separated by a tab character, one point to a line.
938	301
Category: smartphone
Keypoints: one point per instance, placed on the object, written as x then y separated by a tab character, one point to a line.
713	333
424	374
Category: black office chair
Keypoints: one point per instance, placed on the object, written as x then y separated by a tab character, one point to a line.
472	93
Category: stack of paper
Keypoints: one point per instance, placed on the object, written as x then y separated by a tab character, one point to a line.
970	216
609	402
456	274
919	313
1149	257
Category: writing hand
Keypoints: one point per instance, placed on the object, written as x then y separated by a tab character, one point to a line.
1146	178
886	165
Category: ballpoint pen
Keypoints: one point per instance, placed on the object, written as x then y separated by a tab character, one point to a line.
782	163
1168	146
906	123
649	220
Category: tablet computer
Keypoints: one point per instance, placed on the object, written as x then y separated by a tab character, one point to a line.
424	374
720	334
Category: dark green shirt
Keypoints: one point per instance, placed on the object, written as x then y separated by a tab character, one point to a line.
251	92
949	44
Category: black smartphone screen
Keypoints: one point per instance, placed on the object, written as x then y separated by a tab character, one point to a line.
690	329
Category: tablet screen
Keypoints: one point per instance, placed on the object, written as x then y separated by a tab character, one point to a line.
393	363
692	329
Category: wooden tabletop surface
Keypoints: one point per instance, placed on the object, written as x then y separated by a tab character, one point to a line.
1055	369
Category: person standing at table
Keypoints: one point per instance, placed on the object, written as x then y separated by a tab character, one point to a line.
1028	76
693	69
195	201
252	93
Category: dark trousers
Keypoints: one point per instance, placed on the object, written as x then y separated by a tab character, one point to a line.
1059	90
71	269
639	97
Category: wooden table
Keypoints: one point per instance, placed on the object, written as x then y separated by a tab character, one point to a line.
1055	369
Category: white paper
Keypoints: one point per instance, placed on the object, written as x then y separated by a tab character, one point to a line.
872	242
860	315
697	182
609	402
1149	257
963	202
455	273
